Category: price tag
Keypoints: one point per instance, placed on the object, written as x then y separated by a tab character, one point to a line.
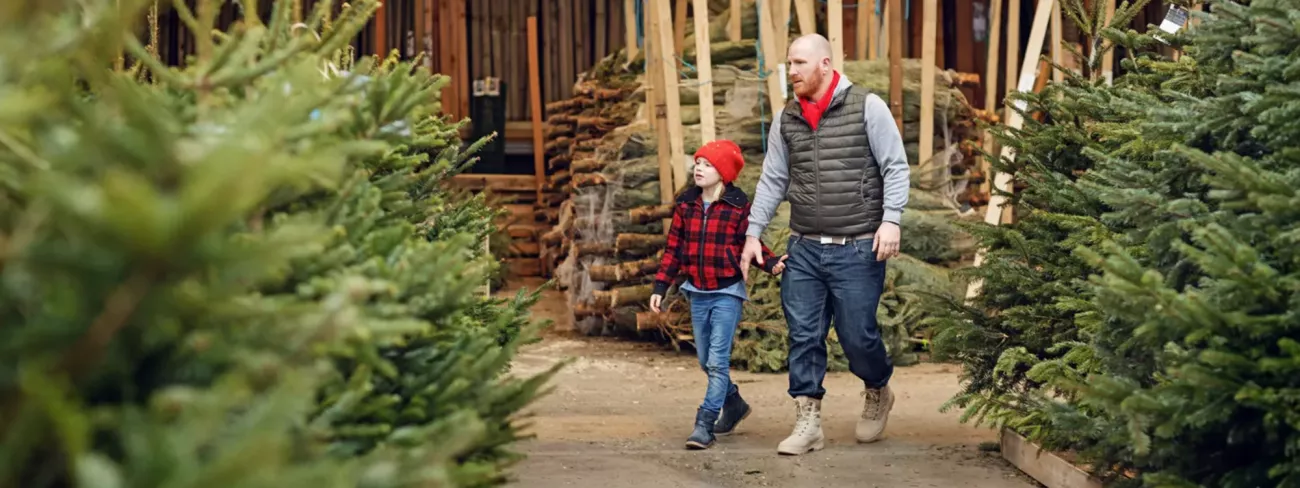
785	84
1175	19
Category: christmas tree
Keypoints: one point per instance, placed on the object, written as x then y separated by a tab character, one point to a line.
1137	311
245	271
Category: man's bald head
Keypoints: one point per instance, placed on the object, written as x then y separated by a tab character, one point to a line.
810	65
813	46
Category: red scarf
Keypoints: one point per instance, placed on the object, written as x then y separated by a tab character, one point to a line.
813	110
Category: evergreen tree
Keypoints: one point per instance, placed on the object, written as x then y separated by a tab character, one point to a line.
1171	361
242	272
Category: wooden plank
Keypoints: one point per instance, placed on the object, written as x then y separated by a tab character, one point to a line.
653	89
929	37
704	65
679	28
525	248
781	26
771	57
535	100
525	266
668	112
421	28
866	17
581	38
991	84
1046	467
733	23
835	31
381	31
602	44
630	27
1002	183
807	10
566	49
1013	52
1058	51
896	61
1108	59
616	26
462	53
497	183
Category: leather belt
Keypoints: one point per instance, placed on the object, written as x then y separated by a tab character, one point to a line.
836	240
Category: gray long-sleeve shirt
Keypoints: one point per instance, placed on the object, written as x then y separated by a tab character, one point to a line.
886	145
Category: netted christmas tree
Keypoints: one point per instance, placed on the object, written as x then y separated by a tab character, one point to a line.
1137	313
244	271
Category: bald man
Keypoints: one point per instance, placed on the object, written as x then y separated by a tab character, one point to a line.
835	154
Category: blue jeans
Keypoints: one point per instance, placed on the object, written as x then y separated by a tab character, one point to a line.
822	282
714	317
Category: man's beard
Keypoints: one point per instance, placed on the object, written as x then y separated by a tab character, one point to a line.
809	85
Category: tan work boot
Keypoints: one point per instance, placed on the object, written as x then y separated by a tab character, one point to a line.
807	435
875	413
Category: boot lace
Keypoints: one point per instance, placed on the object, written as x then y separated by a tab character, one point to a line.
873	406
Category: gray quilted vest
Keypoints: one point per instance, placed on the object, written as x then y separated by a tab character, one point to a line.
835	184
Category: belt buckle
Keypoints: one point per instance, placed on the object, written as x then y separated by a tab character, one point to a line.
839	241
827	239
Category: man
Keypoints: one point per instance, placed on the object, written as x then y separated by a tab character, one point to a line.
836	155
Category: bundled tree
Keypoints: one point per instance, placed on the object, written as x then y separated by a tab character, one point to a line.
1177	194
242	272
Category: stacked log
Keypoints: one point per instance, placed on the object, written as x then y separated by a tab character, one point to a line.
609	238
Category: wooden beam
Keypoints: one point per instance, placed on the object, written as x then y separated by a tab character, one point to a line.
704	68
1037	34
1045	466
1058	51
462	56
866	31
535	99
668	117
733	23
679	28
835	31
781	26
629	22
497	183
929	37
1013	51
1108	59
991	84
381	31
771	57
895	10
807	10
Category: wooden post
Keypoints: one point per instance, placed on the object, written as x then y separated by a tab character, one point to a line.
896	61
1058	26
733	23
866	31
679	28
381	31
929	37
704	67
535	98
807	10
771	57
629	22
835	30
1013	51
1002	183
668	111
780	10
991	84
1108	59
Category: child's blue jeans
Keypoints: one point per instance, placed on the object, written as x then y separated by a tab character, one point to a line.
714	317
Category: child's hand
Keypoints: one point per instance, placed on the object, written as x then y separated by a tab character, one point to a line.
780	265
655	300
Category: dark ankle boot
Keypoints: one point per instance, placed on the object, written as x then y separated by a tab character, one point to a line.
734	409
702	436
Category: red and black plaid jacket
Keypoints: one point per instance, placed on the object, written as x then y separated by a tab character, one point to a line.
705	246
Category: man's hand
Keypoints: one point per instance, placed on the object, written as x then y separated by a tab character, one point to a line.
885	245
655	300
753	253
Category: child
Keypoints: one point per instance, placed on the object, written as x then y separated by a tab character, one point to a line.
705	243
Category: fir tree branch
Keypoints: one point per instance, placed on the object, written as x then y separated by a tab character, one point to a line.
118	308
23	152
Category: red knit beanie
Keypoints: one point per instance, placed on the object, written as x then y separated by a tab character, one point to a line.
725	156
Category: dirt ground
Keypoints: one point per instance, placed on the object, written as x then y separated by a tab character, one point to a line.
619	414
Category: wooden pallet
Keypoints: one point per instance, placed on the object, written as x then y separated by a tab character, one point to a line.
1046	467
